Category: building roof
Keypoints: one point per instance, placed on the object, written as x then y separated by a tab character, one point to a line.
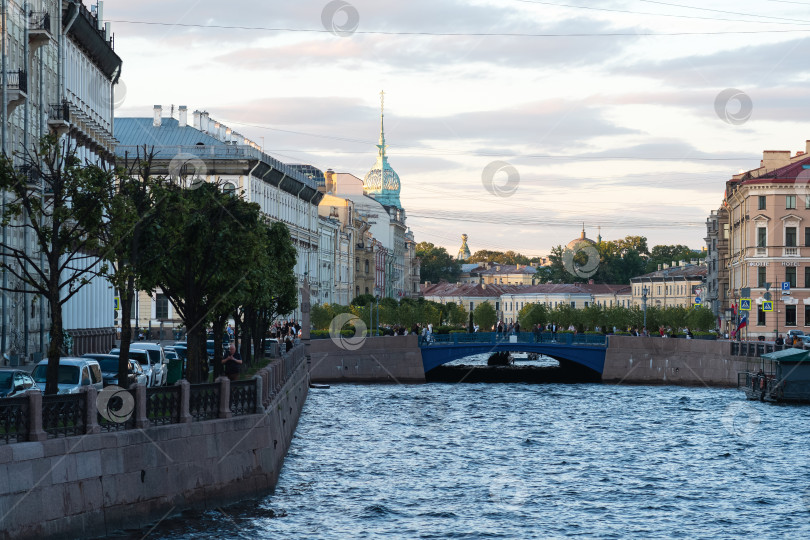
798	170
142	131
466	289
690	271
499	269
579	243
382	182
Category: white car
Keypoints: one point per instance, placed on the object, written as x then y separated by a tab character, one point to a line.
155	373
74	373
160	364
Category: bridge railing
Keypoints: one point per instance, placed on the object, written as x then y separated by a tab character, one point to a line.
563	338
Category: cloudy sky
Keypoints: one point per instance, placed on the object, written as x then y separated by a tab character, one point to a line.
513	120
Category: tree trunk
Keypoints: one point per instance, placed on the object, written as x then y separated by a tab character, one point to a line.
127	297
197	363
55	346
258	338
246	337
219	329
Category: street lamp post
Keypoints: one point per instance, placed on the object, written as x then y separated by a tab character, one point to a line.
644	291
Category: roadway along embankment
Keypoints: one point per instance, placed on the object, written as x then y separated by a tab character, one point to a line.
393	359
638	360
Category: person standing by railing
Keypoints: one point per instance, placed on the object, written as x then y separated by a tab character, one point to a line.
233	362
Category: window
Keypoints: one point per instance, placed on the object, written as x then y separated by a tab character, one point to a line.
807	236
762	202
807	202
760	316
761	276
472	306
366	267
807	276
497	306
790	276
357	264
790	236
790	315
161	307
762	237
790	202
807	315
573	304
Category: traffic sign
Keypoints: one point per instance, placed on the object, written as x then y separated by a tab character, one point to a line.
745	304
116	302
767	296
785	286
745	292
697	300
767	285
767	305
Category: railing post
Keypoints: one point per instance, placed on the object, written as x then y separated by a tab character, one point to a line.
455	339
91	410
259	387
224	397
185	401
141	421
35	431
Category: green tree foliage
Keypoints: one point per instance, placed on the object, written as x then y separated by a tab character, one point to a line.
436	264
484	316
456	314
667	254
532	314
127	237
62	225
204	224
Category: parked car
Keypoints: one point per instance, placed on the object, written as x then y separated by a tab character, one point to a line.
73	374
795	333
154	377
157	359
14	381
109	369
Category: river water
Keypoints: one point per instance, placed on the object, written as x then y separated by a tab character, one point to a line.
530	461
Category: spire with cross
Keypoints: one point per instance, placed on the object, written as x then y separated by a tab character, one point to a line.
381	145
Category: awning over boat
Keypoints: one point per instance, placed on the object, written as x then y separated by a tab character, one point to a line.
788	356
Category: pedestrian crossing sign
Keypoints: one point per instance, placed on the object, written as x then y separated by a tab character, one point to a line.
117	302
767	305
745	304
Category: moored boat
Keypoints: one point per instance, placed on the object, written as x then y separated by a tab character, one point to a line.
780	376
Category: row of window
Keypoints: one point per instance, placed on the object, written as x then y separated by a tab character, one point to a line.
790	316
791	237
790	202
790	276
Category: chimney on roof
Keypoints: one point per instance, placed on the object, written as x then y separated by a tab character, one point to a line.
427	283
666	266
204	121
773	159
158	112
674	264
196	117
228	134
183	116
590	282
807	147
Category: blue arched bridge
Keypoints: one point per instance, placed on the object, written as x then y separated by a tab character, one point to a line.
587	350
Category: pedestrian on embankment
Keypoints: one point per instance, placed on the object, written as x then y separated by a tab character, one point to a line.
233	362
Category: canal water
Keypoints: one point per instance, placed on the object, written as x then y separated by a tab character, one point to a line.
530	461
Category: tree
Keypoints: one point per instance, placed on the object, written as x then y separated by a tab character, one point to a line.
667	254
437	264
701	318
532	314
456	314
500	257
127	239
204	224
59	202
485	316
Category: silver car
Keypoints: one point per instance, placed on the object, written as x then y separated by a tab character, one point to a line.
74	373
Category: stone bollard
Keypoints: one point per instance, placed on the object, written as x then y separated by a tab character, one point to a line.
141	421
185	398
224	397
91	410
35	431
259	392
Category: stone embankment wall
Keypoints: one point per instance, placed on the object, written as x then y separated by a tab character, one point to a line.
395	359
671	361
96	484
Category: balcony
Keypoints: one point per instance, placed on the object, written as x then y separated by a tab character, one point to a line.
59	117
39	29
790	252
17	82
761	252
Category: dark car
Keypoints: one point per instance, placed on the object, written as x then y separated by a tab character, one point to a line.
14	382
109	369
